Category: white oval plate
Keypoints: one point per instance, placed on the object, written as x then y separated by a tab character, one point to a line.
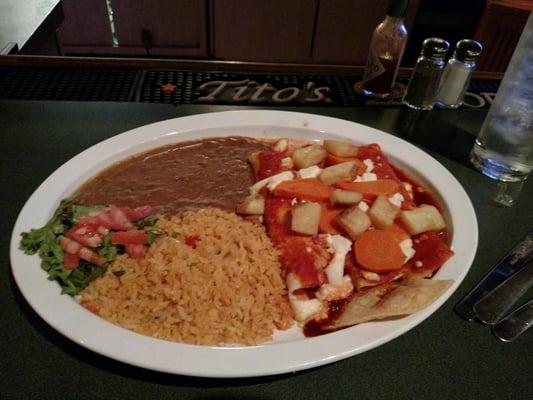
289	351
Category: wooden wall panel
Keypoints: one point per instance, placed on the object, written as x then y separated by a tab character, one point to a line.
86	24
498	31
274	31
344	29
177	27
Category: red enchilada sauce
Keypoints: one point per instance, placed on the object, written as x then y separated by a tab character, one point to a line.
175	178
430	249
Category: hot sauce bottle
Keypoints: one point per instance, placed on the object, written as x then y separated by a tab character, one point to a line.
386	51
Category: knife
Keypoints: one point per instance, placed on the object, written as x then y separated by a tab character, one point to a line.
491	308
508	265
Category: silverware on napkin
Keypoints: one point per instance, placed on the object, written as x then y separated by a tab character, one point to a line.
513	261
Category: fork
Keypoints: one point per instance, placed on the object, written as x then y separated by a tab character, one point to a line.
516	323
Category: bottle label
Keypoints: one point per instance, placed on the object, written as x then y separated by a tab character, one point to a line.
373	67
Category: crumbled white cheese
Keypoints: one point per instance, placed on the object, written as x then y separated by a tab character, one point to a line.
277	179
366	177
363	206
281	145
306	309
293	283
326	239
287	163
409	188
418	264
309	172
329	292
294	201
370	276
303	308
397	199
271	182
369	165
335	268
407	249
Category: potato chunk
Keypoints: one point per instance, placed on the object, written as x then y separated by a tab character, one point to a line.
346	171
353	221
341	148
307	156
306	218
422	219
383	212
252	205
345	197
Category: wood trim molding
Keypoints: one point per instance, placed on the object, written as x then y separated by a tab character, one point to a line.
201	65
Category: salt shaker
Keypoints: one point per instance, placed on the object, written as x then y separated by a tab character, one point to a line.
456	76
426	75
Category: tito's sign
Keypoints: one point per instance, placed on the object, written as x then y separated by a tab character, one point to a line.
251	92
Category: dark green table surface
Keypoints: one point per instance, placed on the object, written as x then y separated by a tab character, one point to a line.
444	357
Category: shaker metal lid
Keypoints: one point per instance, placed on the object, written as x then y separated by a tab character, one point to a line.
467	50
435	48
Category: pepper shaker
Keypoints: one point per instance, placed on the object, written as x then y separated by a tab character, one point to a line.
426	75
457	73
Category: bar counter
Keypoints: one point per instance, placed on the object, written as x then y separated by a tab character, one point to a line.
443	357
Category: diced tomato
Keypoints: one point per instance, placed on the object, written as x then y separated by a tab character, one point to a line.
85	234
92	307
71	261
116	219
91	256
136	251
192	240
111	218
70	246
129	237
90	219
138	212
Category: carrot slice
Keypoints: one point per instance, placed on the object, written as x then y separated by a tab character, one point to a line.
327	219
334	160
310	189
380	187
376	250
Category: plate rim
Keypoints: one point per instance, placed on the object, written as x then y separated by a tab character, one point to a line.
216	357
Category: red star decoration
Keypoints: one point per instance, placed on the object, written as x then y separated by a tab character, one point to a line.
168	88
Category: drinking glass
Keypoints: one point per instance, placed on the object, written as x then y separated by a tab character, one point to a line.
504	147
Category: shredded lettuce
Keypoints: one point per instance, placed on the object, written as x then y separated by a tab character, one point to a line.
108	249
45	242
153	234
147	221
81	211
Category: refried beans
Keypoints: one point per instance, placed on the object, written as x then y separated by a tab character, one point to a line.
179	177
